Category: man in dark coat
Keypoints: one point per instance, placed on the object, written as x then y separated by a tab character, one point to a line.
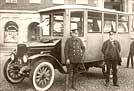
74	50
131	54
111	49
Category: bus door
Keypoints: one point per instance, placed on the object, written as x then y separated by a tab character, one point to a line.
77	22
89	26
94	37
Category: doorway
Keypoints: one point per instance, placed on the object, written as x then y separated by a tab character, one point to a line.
33	31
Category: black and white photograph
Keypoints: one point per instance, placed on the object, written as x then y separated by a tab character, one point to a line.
66	45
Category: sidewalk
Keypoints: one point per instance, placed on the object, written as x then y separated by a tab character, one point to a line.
7	48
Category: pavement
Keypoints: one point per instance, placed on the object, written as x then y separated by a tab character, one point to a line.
93	80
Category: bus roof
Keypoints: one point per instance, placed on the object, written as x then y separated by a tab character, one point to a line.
85	7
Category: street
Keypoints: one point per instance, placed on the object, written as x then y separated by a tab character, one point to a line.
93	80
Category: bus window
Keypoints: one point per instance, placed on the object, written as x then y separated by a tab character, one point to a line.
94	21
45	25
109	22
58	24
77	22
122	24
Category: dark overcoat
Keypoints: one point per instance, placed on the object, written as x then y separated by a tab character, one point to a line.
111	51
132	48
74	50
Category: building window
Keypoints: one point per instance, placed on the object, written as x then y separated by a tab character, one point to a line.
11	32
11	1
58	1
114	4
33	31
34	1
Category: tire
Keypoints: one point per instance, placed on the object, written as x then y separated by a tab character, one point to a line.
12	75
42	75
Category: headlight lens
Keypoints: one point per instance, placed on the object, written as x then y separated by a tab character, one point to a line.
25	57
12	56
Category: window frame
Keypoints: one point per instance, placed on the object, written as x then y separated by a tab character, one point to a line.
125	21
80	35
51	22
52	30
99	26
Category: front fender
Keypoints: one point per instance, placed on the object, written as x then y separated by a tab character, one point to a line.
55	62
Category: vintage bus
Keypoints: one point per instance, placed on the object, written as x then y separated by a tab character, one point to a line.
38	59
93	25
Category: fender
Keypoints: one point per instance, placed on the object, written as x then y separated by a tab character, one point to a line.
55	62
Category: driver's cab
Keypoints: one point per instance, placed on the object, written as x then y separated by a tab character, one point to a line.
56	23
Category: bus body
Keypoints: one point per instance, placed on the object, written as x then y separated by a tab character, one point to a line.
93	25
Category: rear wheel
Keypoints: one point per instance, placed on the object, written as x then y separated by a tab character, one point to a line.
42	75
11	72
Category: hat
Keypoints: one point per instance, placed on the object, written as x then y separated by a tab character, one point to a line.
112	32
74	30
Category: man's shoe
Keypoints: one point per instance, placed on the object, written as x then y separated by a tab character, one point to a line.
116	85
107	84
74	88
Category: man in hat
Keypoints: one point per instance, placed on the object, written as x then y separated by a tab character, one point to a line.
74	50
111	49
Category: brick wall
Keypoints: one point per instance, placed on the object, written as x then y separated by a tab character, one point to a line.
24	5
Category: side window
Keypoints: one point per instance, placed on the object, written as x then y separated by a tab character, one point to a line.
58	27
109	22
94	22
77	22
45	25
123	24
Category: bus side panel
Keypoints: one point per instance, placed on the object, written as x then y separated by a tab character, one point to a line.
93	50
124	40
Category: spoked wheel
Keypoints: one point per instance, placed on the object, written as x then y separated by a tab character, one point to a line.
11	73
42	75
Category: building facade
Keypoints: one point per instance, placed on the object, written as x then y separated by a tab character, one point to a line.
19	23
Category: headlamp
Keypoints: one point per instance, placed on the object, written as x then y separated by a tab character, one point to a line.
12	56
25	58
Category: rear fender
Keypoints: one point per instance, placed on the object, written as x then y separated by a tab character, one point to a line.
49	58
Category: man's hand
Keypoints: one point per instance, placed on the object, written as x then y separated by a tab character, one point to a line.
67	61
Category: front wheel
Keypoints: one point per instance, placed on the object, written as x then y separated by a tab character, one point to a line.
42	75
11	72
